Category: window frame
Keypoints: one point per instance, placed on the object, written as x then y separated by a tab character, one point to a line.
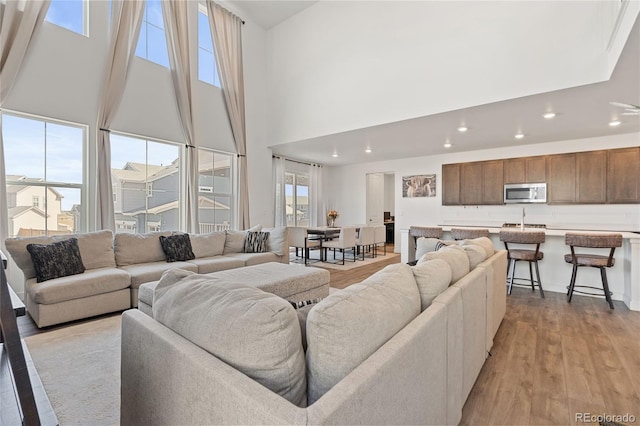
82	187
233	187
202	8
85	20
148	186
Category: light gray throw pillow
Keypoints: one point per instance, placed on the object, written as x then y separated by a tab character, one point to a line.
349	325
484	242
208	245
255	332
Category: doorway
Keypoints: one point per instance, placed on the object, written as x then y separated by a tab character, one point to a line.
380	202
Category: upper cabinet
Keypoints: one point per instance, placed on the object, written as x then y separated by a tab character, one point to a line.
591	177
623	175
525	170
561	179
476	183
451	184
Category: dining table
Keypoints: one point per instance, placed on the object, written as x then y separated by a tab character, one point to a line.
323	233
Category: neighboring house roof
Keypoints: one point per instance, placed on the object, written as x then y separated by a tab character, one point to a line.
139	172
12	189
203	202
20	210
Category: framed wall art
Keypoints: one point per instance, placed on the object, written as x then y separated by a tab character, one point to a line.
419	186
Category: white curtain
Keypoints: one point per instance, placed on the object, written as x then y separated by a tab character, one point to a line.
317	208
226	31
19	24
177	31
280	197
126	18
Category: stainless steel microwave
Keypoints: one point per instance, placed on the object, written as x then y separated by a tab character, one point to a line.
525	193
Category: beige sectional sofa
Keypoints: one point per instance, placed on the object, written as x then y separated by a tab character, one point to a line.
116	266
405	346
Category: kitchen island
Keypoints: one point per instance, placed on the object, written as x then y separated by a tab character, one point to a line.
555	273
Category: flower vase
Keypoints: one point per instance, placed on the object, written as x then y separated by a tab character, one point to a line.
331	222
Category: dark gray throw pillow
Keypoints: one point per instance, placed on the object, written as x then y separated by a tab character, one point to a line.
55	260
256	242
177	247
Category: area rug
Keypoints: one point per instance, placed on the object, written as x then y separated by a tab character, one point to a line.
348	263
79	367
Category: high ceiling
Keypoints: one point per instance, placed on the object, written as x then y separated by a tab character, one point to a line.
582	112
268	13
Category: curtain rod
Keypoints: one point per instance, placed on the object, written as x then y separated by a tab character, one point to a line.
296	161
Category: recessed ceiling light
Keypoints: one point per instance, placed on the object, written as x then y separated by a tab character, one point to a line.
463	129
334	155
447	144
368	150
549	115
519	135
614	123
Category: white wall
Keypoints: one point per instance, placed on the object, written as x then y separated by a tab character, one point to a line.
339	66
389	193
351	200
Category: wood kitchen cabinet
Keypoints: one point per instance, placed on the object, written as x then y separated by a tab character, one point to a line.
492	182
591	177
525	170
471	183
561	179
451	184
475	183
623	175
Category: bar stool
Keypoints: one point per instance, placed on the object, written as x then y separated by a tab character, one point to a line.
512	236
598	241
425	231
468	233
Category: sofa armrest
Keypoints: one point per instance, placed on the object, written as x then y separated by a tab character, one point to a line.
166	379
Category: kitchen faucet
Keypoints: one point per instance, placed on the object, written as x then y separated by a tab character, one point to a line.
522	220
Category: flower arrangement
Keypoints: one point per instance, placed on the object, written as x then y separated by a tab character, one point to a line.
331	217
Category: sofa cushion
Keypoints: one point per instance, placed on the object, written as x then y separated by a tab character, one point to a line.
250	259
55	260
132	249
256	242
206	265
278	242
177	247
234	240
96	250
255	332
484	242
145	272
92	282
475	253
349	325
207	245
455	256
432	278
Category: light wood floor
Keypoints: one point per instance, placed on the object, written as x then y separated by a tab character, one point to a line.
553	359
550	359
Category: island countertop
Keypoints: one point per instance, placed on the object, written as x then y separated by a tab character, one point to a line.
623	277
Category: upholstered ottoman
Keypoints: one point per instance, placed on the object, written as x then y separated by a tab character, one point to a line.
294	283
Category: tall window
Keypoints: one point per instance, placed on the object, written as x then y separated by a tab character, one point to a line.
215	195
207	70
146	184
296	190
69	14
45	175
152	43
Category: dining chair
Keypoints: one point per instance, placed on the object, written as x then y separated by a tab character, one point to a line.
346	240
366	240
380	237
468	233
299	239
